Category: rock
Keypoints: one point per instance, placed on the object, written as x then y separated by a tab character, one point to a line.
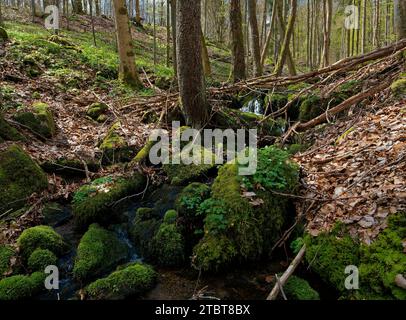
40	237
399	88
21	287
20	177
97	202
115	148
55	214
40	121
9	133
179	174
99	251
367	222
40	259
97	109
133	280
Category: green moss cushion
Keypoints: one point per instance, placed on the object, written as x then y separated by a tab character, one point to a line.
6	253
133	280
98	252
40	259
20	177
21	287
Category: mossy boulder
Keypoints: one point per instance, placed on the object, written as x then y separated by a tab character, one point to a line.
145	225
168	246
115	147
99	251
21	287
170	216
40	259
399	88
299	289
40	237
311	107
40	120
131	281
247	223
97	201
54	214
20	177
180	174
383	260
6	254
9	133
97	109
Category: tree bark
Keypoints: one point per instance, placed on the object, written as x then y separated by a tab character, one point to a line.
328	12
401	18
205	56
190	67
237	40
138	19
174	23
78	7
252	12
128	72
269	35
286	41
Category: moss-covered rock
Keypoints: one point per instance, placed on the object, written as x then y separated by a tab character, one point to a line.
168	246
6	253
299	289
170	216
247	225
189	200
98	252
311	107
134	280
40	120
145	225
399	88
40	259
115	147
383	260
21	287
95	202
96	109
143	154
179	174
43	237
7	132
20	177
54	214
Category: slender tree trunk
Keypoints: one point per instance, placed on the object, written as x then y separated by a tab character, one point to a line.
401	18
190	67
237	40
364	26
269	36
1	15
252	9
154	23
174	31
328	12
78	7
128	72
92	22
138	19
97	7
205	57
168	33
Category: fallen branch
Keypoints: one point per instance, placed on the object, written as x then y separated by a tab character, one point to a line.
289	271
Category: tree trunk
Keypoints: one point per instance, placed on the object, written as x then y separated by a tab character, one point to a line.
237	40
137	13
205	57
401	19
328	12
190	67
173	23
77	7
97	7
286	42
269	36
364	26
252	12
128	71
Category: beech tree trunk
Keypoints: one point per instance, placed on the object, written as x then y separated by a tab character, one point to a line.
328	12
237	40
77	7
190	67
128	72
205	56
174	23
137	13
252	13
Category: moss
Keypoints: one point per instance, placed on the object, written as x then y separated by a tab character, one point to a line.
170	216
399	88
189	200
54	214
40	121
143	154
168	246
96	109
310	108
179	174
7	132
330	253
6	253
40	259
145	226
99	251
115	148
20	177
383	260
94	202
43	237
299	289
21	287
134	280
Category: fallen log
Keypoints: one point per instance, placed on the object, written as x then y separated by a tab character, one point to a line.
285	277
